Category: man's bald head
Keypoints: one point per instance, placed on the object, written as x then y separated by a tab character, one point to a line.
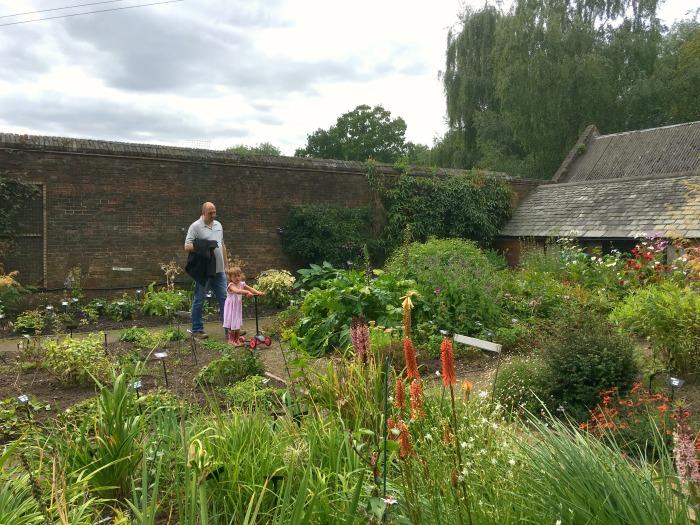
208	212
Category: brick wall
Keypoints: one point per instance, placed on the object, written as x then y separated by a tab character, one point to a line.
111	206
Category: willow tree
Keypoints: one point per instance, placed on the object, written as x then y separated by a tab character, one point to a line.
520	86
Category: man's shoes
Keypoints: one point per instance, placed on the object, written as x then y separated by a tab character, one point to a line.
200	334
242	332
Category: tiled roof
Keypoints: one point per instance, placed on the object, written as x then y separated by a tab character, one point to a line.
668	206
669	149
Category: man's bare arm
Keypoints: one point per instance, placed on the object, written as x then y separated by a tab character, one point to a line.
189	247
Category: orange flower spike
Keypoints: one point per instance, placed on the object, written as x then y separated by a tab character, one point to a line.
409	353
400	394
405	449
447	357
416	399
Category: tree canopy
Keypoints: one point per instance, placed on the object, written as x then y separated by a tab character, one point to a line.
521	85
264	148
362	133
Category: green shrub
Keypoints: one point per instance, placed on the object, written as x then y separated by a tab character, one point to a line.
521	385
668	315
317	233
456	281
163	302
31	321
78	360
328	310
249	394
235	365
120	309
277	286
585	355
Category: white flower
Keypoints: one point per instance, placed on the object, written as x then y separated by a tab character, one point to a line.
511	462
484	420
463	444
390	500
483	394
428	437
437	373
494	461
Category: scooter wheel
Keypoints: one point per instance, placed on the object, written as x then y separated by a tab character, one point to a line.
268	341
253	342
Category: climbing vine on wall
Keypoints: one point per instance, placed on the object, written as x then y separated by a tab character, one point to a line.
14	195
470	206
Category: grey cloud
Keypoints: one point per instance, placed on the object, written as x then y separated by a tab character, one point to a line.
176	53
56	115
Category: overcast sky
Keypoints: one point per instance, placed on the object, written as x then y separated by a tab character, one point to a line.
215	73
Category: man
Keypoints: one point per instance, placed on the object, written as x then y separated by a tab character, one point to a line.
207	228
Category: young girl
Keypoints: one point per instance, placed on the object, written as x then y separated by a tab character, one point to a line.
233	307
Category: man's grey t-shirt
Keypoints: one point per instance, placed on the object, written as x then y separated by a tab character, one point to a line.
199	230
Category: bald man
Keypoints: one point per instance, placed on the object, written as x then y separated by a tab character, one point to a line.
208	228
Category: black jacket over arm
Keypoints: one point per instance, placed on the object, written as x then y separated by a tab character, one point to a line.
201	263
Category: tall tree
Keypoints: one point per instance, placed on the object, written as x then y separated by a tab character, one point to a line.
469	81
520	86
358	135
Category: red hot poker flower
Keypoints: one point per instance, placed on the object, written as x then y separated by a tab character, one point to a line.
416	399
409	353
448	362
400	394
405	449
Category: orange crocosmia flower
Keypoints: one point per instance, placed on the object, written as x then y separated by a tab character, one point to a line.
400	394
663	408
447	358
416	399
409	353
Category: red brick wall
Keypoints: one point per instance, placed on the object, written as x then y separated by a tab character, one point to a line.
116	209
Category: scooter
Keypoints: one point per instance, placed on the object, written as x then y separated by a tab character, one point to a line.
258	338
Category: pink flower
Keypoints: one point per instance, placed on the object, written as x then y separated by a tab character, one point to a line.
359	335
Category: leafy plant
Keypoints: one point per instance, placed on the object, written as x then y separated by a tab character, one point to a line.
668	315
235	365
163	302
109	456
174	334
80	361
328	309
17	503
133	335
120	309
31	321
277	286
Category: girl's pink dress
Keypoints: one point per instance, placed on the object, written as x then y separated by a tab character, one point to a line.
233	309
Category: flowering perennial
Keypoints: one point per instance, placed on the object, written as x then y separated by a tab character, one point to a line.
359	335
447	358
409	353
416	399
